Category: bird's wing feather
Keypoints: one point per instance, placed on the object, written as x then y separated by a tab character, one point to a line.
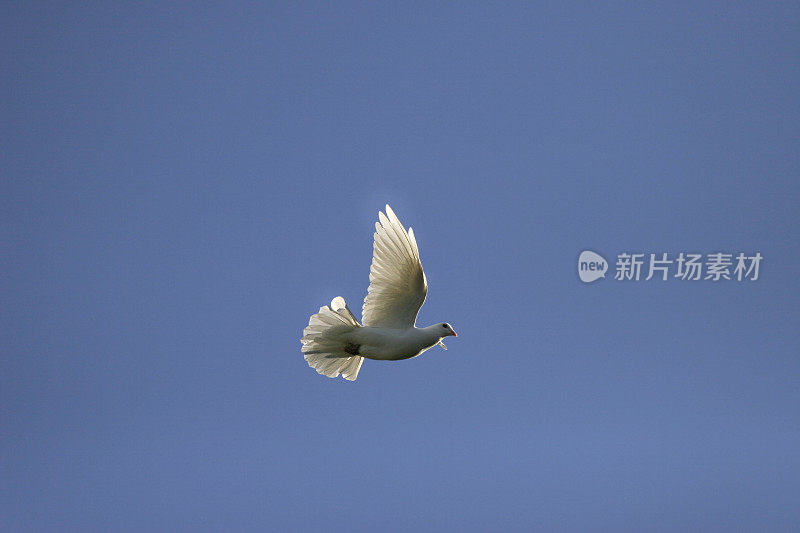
397	284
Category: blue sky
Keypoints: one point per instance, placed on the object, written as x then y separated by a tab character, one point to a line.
183	185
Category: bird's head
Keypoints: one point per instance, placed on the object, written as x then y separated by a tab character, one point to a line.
446	330
443	330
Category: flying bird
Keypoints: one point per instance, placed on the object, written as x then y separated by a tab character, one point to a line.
335	343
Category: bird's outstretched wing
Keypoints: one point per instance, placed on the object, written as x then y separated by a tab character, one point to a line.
397	284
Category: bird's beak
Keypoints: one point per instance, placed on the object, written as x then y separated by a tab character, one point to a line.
455	334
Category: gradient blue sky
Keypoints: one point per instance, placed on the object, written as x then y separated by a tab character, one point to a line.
183	185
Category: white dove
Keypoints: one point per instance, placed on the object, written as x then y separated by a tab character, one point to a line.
335	343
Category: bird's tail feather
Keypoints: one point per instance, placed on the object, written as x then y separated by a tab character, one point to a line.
324	348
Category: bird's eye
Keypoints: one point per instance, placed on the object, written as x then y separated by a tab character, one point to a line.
445	326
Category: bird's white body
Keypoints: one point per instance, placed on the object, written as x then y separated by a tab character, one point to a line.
394	344
335	343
